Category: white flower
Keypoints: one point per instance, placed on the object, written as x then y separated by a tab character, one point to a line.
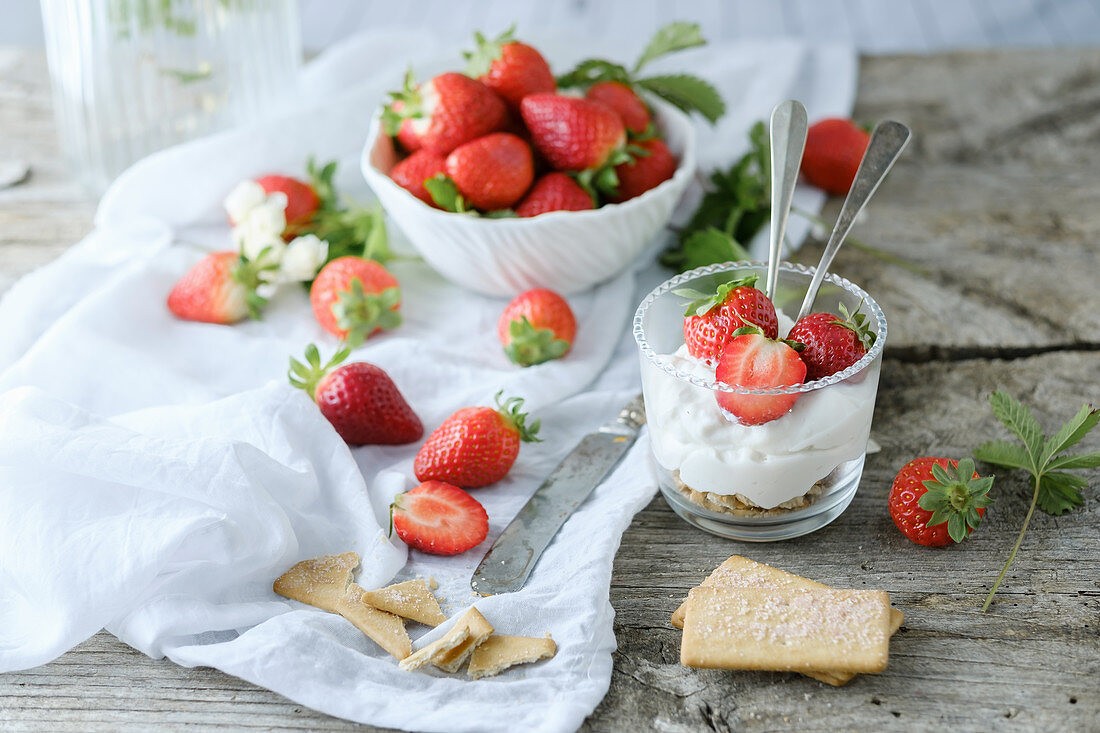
259	245
268	219
244	197
303	257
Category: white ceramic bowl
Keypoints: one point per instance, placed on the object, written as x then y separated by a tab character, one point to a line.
566	251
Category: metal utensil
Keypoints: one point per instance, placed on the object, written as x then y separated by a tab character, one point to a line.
510	560
788	140
888	139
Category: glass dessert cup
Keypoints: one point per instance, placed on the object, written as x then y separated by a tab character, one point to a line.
758	483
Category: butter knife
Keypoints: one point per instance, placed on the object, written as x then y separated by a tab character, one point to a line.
513	556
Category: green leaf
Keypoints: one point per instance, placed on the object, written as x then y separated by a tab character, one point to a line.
1021	422
1084	460
1071	433
1060	492
1003	453
590	71
689	93
445	194
705	247
672	37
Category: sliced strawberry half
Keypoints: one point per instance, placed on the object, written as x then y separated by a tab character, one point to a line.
439	518
754	361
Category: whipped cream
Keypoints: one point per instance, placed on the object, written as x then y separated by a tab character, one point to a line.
765	465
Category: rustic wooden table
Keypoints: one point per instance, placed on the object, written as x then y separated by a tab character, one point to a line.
997	199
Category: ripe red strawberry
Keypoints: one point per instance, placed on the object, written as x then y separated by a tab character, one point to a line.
510	68
492	172
645	171
537	326
302	202
445	112
359	399
355	298
834	148
411	173
572	134
221	288
476	446
833	343
406	135
711	319
439	518
621	98
937	501
754	361
554	192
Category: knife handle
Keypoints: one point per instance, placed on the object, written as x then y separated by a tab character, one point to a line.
632	417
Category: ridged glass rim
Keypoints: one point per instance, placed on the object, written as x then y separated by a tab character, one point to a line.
869	304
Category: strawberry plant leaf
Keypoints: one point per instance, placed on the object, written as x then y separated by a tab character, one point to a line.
689	93
591	71
1059	492
1018	418
1084	460
669	39
1003	453
445	194
1071	433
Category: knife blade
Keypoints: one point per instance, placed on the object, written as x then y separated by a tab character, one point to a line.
513	555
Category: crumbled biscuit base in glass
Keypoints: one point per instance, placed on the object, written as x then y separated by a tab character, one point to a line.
742	506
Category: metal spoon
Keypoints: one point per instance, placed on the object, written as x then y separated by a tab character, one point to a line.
788	138
888	139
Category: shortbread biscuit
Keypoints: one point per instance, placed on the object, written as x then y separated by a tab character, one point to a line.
787	629
457	635
320	582
384	629
451	660
411	600
499	652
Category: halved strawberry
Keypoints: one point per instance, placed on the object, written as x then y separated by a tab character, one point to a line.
492	172
650	166
754	361
711	318
833	343
411	173
439	518
221	288
445	112
355	298
510	68
554	192
621	98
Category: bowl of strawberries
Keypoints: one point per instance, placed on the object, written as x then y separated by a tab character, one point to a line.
506	178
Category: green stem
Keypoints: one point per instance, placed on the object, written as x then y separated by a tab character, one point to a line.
1016	547
864	247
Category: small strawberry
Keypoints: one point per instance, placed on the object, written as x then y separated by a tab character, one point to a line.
359	399
476	446
221	288
302	202
755	361
355	298
834	149
934	503
711	319
445	112
537	326
573	134
411	173
649	168
407	134
492	172
510	68
439	518
833	343
621	98
554	192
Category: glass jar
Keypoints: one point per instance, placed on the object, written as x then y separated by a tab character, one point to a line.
774	481
133	76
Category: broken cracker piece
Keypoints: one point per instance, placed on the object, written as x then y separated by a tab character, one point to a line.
411	600
320	582
479	630
384	629
499	652
787	629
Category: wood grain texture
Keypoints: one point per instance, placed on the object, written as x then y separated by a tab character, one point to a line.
996	199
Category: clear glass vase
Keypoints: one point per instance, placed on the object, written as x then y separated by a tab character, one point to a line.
133	76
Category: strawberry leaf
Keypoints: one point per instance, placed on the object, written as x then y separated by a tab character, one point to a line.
673	37
689	93
445	194
701	303
705	247
591	71
1071	433
1003	453
1059	492
1018	419
1084	460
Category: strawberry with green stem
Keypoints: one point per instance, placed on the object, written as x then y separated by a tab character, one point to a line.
711	319
353	299
510	68
537	326
221	288
833	343
1055	491
937	501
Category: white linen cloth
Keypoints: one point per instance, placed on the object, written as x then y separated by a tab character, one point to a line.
157	475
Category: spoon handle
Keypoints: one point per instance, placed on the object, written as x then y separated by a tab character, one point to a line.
788	139
887	141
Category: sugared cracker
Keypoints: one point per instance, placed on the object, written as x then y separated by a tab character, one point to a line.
478	629
457	635
320	582
787	629
499	652
411	600
385	629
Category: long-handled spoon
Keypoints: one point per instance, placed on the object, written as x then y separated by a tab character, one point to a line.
888	139
788	138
